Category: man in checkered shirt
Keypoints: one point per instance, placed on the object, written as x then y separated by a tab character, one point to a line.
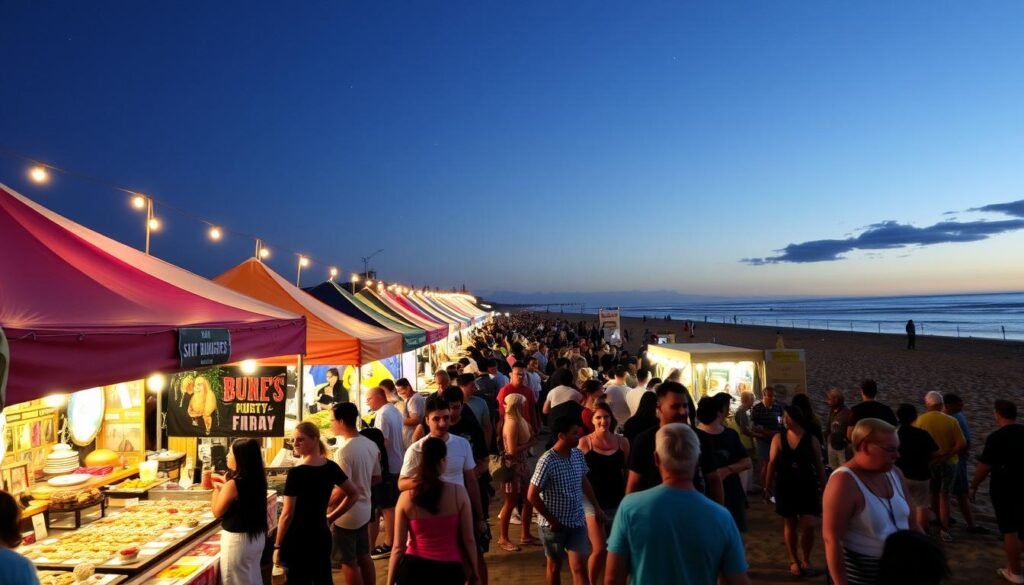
556	491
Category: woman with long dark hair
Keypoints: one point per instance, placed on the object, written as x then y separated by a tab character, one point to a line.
303	533
795	466
433	527
241	504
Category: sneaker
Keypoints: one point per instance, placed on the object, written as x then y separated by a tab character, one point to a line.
381	552
516	518
945	536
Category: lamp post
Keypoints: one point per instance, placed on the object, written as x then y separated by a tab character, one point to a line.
303	262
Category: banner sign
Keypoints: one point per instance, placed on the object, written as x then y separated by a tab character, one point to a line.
609	319
786	372
199	348
224	402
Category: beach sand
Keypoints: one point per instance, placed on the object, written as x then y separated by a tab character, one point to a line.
979	370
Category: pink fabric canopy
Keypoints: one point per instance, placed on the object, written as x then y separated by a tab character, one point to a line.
81	310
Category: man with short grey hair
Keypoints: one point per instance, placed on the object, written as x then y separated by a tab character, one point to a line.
653	537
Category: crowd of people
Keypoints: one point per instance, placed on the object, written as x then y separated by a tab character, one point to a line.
629	478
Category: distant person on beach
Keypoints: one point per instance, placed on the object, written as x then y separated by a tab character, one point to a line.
946	433
917	448
838	421
864	503
953	405
1001	458
653	539
870	407
911	335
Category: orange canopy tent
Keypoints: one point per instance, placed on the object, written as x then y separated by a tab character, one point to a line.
332	338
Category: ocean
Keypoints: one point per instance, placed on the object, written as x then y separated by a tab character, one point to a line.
993	316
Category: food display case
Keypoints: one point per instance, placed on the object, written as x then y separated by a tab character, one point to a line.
127	542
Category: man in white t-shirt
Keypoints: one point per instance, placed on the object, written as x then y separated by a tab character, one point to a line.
460	468
615	394
359	458
389	421
412	410
643	376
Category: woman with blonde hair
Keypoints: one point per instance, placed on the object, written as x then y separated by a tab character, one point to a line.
865	502
582	375
303	542
517	438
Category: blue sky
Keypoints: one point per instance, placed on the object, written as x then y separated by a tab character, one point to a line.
536	146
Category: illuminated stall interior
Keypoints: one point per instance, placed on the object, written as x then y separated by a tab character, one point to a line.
709	368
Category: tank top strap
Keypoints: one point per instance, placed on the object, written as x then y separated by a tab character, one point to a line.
860	484
897	486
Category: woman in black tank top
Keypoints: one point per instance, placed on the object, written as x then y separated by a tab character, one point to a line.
606	454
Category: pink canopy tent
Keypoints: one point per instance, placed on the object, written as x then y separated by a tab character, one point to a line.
81	310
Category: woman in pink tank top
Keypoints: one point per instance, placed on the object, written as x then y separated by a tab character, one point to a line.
433	527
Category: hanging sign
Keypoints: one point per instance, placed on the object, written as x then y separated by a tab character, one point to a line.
610	328
202	347
225	402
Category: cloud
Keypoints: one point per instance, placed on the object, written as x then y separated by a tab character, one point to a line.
889	235
1013	208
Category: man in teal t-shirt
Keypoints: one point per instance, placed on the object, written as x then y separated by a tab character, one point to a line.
672	533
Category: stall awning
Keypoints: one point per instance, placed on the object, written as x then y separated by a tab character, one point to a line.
454	304
81	310
435	331
428	308
332	338
443	308
706	352
333	295
412	308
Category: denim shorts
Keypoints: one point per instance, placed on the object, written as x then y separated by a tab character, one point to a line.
556	544
348	545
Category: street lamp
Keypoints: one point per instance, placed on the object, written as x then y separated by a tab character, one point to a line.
303	262
152	222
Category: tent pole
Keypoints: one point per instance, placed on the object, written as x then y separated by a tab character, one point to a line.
159	423
299	375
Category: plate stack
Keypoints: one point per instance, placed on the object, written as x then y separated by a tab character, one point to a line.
61	460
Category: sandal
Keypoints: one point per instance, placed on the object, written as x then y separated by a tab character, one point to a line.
531	541
508	546
796	570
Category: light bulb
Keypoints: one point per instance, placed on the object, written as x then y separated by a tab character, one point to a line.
154	224
264	252
156	382
215	234
39	174
139	202
334	272
248	367
303	261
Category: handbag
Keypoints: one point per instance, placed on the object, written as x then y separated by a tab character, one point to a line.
499	466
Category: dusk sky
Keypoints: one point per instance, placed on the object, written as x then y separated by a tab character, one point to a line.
713	148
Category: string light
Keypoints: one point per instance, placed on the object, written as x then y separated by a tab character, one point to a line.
39	174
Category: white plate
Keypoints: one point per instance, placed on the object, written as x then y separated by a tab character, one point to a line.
66	480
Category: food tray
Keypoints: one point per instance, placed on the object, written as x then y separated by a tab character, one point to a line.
153	544
114	491
67	578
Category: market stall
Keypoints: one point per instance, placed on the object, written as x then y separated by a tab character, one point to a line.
414	340
334	339
93	313
710	368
